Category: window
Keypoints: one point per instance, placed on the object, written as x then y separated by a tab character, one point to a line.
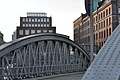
23	25
96	36
41	25
35	19
26	32
38	31
47	25
32	31
29	25
32	20
35	25
109	10
119	10
106	12
119	20
26	19
44	19
101	15
20	32
47	19
23	19
109	31
109	20
50	31
41	19
96	18
38	25
106	22
97	27
32	25
44	25
99	35
26	25
101	24
45	31
38	20
94	28
104	33
29	19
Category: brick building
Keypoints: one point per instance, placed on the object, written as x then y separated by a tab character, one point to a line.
105	19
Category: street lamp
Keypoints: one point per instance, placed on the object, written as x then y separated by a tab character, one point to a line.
89	10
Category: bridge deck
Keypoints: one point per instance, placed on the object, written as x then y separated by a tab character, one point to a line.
69	76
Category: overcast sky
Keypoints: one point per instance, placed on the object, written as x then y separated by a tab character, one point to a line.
63	13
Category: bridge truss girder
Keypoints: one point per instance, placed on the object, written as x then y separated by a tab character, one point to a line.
41	58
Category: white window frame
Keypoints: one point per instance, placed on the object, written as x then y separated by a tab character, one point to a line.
44	25
29	19
20	32
38	25
26	19
38	31
41	25
48	25
23	25
32	31
41	19
44	19
23	19
48	20
32	25
50	31
27	32
35	19
44	31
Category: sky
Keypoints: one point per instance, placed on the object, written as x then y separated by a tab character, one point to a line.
63	13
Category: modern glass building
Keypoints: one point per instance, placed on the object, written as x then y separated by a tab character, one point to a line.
95	4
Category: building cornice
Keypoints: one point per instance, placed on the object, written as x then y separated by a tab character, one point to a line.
102	8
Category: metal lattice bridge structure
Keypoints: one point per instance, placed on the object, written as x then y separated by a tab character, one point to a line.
41	55
106	65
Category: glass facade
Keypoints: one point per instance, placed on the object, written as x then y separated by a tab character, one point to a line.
95	4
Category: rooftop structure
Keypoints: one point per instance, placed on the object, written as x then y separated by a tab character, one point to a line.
32	14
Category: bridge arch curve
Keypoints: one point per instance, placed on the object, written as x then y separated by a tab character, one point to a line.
40	55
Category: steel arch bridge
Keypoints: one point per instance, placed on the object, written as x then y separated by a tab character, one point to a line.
41	55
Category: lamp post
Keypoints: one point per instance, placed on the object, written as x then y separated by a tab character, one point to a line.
89	10
91	31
